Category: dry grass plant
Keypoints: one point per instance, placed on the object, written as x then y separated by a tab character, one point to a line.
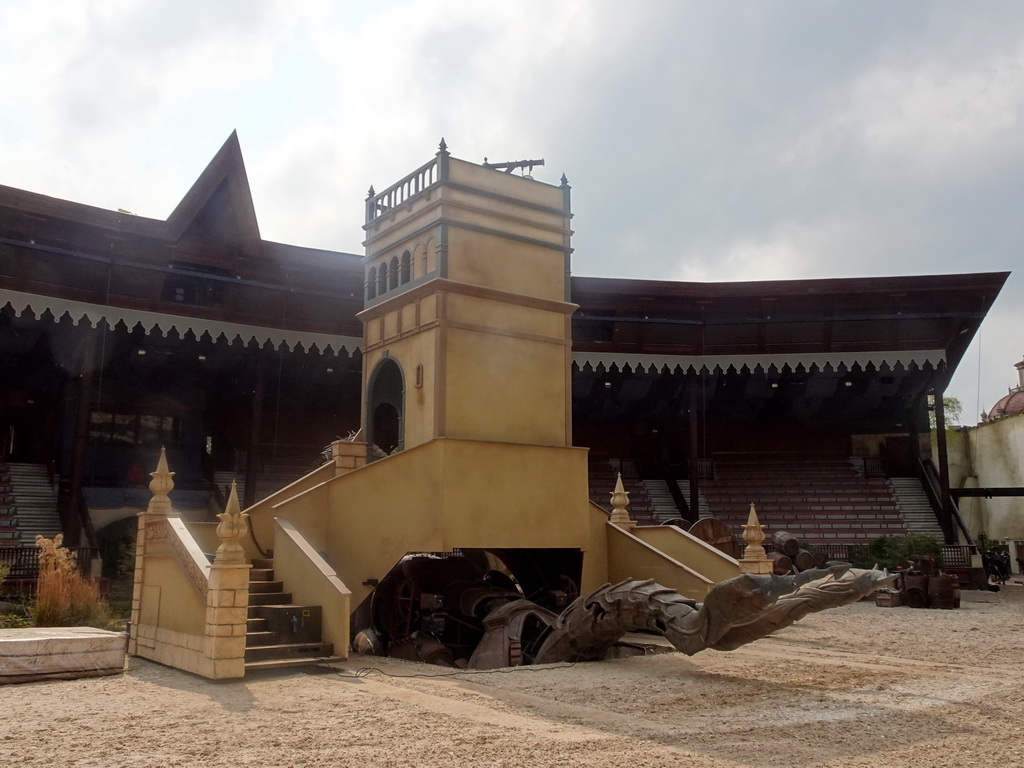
64	598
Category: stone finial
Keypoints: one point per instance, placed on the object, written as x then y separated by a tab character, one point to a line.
753	533
565	180
160	486
442	147
231	529
620	500
370	194
754	559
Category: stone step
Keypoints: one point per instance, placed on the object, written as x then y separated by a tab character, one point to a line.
255	666
270	598
288	651
260	638
265	587
261	574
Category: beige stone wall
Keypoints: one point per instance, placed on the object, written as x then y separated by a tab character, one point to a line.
684	548
492	261
312	581
990	455
227	606
524	402
261	514
187	613
180	650
629	557
442	495
595	561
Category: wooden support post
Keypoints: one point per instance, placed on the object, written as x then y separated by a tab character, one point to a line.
694	402
255	429
914	432
946	518
72	519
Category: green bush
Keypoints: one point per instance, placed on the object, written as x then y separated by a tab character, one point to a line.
12	615
895	551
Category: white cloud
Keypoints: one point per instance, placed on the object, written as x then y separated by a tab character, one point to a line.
780	253
935	113
713	142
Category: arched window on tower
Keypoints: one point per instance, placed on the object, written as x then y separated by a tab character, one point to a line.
405	270
393	273
382	279
371	283
385	408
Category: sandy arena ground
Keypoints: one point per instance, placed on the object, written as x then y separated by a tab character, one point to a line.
855	686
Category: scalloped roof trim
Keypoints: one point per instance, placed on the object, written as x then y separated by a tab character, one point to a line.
157	322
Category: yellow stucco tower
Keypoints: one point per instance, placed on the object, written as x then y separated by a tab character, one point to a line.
467	319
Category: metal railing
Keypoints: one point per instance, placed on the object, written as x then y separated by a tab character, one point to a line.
24	561
958	556
416	182
704	468
871	466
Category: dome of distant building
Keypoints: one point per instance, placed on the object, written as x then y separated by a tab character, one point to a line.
1012	403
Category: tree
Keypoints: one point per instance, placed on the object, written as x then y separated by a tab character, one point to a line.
952	408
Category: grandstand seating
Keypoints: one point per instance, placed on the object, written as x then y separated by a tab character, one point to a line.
821	499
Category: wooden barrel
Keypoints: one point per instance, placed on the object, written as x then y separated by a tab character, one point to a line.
717	534
943	592
915	590
915	597
786	543
915	581
781	564
803	560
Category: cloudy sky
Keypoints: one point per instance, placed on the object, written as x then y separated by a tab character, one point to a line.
736	140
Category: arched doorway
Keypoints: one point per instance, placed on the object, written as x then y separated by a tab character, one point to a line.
385	407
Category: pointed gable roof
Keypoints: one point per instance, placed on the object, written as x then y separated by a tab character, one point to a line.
219	204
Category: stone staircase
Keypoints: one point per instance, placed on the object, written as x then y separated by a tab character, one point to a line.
663	506
918	515
280	633
32	502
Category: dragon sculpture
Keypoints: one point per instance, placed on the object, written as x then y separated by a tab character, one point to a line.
449	612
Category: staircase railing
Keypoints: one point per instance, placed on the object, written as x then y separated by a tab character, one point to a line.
703	468
680	500
929	476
